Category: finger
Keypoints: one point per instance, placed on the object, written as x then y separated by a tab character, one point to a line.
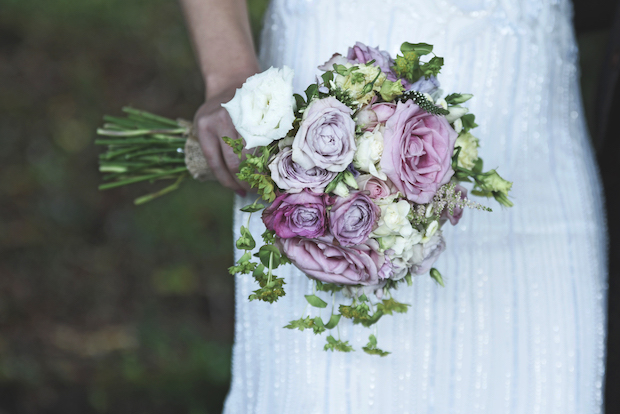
232	162
211	148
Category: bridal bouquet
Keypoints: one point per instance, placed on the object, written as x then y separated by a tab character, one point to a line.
358	177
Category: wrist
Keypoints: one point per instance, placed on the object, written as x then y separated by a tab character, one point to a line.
217	83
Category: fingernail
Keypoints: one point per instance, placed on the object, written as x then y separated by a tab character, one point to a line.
240	193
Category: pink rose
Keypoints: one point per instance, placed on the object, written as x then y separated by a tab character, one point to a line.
376	187
352	219
417	151
326	136
301	214
373	114
323	260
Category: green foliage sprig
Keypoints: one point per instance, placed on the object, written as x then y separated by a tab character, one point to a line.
409	66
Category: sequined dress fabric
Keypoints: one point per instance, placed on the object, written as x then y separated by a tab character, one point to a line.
520	326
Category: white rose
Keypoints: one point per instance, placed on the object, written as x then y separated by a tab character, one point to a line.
394	220
262	110
469	150
368	153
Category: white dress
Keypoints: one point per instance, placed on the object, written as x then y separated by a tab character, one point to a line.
520	326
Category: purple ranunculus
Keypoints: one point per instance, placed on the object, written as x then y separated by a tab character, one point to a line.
424	85
417	151
323	260
326	136
302	214
360	53
425	255
457	212
336	59
292	177
352	219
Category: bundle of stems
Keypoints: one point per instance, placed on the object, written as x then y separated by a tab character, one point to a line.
143	147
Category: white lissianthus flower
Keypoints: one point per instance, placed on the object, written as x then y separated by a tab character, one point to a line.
369	151
469	150
394	220
262	110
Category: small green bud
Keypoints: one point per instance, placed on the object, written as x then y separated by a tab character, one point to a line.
437	276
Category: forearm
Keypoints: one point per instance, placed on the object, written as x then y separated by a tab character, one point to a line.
222	39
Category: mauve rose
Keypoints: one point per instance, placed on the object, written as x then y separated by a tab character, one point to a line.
352	219
292	177
417	151
323	260
360	53
302	214
376	187
457	212
326	136
425	255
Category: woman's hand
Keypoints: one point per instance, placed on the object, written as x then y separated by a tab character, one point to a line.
211	123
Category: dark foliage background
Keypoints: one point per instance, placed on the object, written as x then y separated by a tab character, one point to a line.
104	307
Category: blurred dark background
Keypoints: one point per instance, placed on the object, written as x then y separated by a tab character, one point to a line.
109	308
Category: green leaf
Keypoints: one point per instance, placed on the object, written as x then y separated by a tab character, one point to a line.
252	208
315	301
419	48
259	271
327	77
468	122
312	91
332	185
319	326
478	165
246	241
333	321
269	252
337	345
299	101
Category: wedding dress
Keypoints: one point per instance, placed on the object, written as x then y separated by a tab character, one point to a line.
520	326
